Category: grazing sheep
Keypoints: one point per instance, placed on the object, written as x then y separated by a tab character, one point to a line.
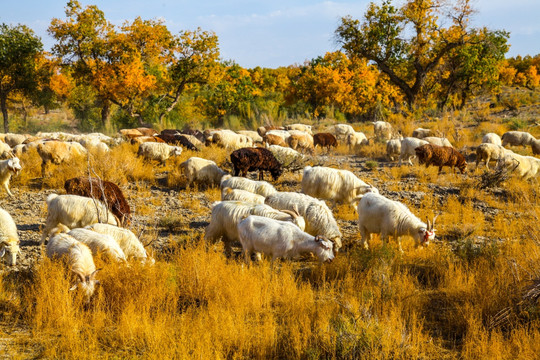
516	138
262	188
287	157
491	138
228	194
356	140
326	140
382	130
231	140
107	192
75	211
15	139
280	239
440	156
9	239
94	144
78	258
340	131
333	184
227	214
421	133
100	244
252	134
408	145
301	142
526	167
264	129
7	168
379	215
158	151
271	139
439	141
201	171
300	127
128	241
318	217
58	152
489	151
255	159
393	148
5	151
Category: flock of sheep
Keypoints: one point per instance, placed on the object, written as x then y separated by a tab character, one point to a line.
91	218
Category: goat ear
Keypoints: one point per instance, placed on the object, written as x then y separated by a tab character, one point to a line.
74	287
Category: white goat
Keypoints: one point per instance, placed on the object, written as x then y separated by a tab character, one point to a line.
228	194
488	151
77	257
75	211
201	170
262	188
158	151
526	167
516	138
393	148
280	239
5	151
318	217
382	130
300	127
227	214
439	141
128	241
9	239
231	140
333	184
287	157
491	138
99	244
340	131
8	168
379	215
356	140
408	145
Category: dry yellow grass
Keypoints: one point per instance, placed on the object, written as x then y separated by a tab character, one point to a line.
435	302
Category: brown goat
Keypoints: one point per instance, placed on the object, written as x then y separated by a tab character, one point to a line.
440	156
326	140
107	192
272	139
255	159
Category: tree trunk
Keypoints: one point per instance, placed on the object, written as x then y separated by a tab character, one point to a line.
105	112
3	105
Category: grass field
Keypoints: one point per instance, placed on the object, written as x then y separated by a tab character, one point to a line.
463	297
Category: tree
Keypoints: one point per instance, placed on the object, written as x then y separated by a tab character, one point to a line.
140	67
473	67
193	61
19	50
409	43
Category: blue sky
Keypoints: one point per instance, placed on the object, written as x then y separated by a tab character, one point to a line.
269	33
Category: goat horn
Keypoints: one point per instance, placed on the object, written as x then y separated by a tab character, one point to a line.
292	213
80	276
